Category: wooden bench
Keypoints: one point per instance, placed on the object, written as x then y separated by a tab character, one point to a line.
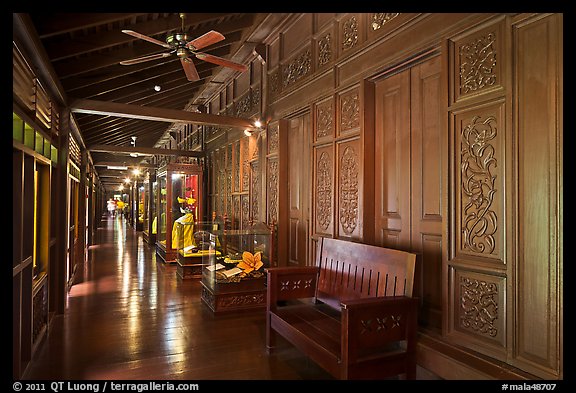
352	313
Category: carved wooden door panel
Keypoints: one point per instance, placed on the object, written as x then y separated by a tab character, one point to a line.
408	175
299	178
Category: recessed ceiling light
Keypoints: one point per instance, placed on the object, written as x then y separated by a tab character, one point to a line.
157	88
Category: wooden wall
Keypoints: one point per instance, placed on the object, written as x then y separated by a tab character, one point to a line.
435	133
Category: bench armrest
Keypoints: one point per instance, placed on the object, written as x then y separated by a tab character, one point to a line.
371	326
286	283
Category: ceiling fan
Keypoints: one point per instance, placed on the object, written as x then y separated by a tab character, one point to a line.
185	48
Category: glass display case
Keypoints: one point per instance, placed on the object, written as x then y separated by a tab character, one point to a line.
233	271
179	200
193	244
146	210
139	201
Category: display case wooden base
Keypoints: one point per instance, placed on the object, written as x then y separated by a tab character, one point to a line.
166	256
189	267
243	295
149	238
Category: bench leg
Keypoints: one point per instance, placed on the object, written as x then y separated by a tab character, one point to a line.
270	335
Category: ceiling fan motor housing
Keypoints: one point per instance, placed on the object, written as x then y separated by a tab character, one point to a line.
178	39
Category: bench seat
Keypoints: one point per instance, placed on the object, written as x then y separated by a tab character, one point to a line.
352	318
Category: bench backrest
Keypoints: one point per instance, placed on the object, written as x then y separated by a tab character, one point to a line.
353	270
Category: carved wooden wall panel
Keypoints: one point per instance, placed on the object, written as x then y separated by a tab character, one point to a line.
228	175
324	123
478	301
349	111
272	190
245	164
255	190
378	22
236	179
323	198
351	31
479	136
478	62
479	141
324	48
349	189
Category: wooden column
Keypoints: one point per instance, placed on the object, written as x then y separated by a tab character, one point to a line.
59	264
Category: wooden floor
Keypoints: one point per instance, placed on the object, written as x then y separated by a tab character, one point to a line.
129	316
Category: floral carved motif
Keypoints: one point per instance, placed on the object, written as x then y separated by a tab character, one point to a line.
255	192
380	324
379	19
273	191
244	105
350	111
245	147
242	300
478	64
324	119
297	68
236	166
324	50
274	83
245	211
273	139
479	305
291	285
349	190
479	221
350	33
324	191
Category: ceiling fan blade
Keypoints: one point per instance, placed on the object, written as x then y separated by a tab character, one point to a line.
204	40
146	38
190	70
220	61
144	58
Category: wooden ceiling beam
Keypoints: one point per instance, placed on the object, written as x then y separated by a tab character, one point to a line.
146	151
140	82
91	122
156	114
146	131
49	25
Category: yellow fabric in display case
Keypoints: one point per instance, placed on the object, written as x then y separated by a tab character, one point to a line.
187	232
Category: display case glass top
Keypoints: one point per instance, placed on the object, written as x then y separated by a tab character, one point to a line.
233	274
179	201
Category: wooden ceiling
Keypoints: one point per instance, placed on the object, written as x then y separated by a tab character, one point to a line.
85	50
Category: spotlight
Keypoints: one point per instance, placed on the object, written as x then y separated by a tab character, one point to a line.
258	124
247	132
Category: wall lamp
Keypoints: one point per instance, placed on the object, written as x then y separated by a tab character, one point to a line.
257	124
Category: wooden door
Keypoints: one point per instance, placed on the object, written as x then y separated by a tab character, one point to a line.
427	152
392	161
299	178
408	175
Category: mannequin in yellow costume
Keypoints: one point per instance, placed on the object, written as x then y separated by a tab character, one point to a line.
187	232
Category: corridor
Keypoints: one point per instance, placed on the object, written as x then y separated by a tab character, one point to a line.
128	316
